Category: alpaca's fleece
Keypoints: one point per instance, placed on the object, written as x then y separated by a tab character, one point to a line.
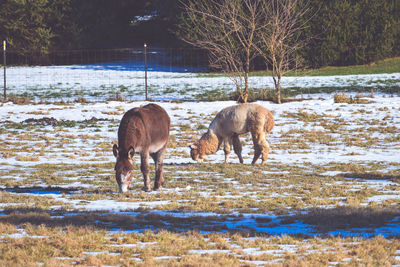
231	122
208	144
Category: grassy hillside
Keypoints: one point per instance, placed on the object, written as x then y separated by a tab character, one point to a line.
390	65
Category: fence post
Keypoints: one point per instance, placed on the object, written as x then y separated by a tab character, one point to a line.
145	69
4	65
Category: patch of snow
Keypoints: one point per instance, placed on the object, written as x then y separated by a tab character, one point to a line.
162	258
208	251
92	80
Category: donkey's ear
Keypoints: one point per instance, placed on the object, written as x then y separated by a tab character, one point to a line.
115	150
193	146
131	153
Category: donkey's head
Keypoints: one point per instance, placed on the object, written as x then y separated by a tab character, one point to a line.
123	167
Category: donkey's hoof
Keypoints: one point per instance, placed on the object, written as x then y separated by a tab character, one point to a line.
146	189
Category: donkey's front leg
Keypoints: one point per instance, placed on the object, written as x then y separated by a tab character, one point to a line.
159	162
145	168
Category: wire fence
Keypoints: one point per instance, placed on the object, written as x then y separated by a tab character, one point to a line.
172	74
97	73
168	59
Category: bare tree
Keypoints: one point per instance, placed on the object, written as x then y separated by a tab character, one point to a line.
279	38
234	32
226	29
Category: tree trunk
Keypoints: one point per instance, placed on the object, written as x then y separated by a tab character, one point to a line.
246	87
246	76
278	91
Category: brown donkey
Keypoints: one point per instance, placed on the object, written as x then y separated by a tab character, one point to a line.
226	127
143	130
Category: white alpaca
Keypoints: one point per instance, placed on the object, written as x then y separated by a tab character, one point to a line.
226	127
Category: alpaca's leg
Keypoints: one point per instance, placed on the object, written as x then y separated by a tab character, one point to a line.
227	148
145	168
159	166
264	151
257	147
263	146
237	146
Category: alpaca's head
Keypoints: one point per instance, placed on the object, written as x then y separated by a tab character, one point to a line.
208	144
196	154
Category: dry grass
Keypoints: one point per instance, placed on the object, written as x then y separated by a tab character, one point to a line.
19	100
57	233
89	246
358	99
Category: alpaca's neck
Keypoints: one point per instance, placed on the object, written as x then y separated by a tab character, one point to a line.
209	143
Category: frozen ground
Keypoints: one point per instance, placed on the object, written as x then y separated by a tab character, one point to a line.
330	164
375	124
91	82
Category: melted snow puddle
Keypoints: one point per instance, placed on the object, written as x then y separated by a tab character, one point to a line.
209	222
42	190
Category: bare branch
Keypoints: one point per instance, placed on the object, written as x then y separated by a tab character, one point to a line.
234	32
227	30
279	41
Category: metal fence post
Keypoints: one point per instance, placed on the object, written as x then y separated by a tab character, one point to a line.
5	66
145	69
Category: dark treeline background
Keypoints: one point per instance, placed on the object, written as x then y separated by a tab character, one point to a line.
348	32
345	32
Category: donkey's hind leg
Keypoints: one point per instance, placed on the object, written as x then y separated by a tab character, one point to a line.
237	146
158	158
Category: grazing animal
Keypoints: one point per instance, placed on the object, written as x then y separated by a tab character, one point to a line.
226	127
143	130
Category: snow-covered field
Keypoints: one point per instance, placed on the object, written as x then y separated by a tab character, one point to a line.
329	162
96	83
